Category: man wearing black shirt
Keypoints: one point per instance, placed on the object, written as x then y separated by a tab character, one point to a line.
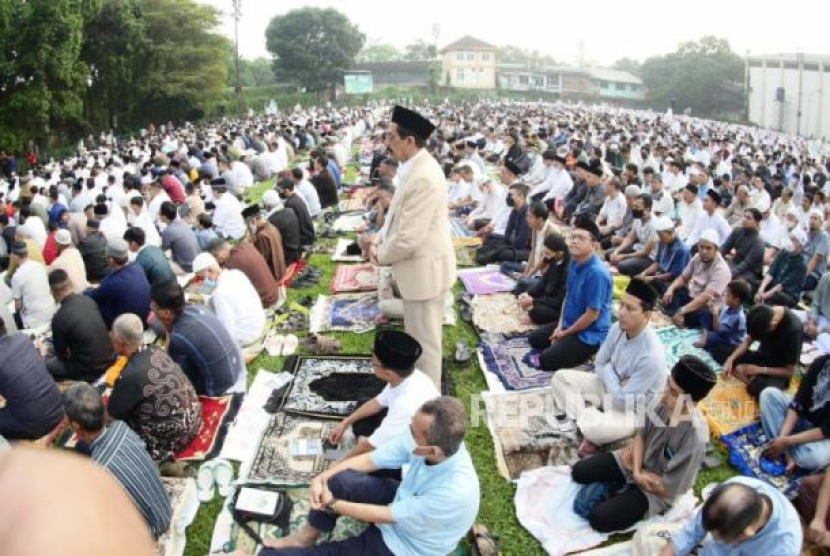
295	203
744	249
284	220
93	250
543	299
81	340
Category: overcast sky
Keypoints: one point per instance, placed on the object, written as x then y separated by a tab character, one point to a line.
607	29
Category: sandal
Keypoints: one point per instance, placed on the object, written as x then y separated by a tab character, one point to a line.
290	345
484	543
321	345
224	474
206	482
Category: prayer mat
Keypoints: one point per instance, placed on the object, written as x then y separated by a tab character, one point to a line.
355	278
348	223
508	361
525	434
745	448
347	312
217	415
346	527
184	500
660	319
729	407
329	387
484	281
678	342
292	272
273	462
458	229
500	313
465	255
340	255
355	204
467	242
620	284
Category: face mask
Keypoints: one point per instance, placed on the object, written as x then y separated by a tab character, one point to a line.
637	213
208	285
510	201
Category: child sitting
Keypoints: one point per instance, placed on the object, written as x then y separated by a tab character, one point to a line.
725	327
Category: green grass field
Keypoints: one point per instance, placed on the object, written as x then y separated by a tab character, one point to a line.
497	510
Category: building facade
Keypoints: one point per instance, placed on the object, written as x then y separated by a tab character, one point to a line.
789	93
570	82
469	63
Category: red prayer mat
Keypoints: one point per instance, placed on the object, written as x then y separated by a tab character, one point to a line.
355	278
217	413
291	272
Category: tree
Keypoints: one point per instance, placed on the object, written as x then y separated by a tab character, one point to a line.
379	52
420	51
700	75
312	47
42	78
628	64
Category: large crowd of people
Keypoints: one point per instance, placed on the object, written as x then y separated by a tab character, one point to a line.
719	227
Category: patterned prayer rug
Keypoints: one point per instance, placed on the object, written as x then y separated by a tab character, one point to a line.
508	360
729	407
291	272
355	278
525	434
340	255
500	313
465	255
329	387
484	281
745	447
458	229
217	415
347	223
273	462
347	312
300	496
678	342
184	500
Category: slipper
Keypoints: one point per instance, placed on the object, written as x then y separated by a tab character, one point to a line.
462	354
206	482
273	345
710	462
290	344
224	474
467	313
321	345
484	543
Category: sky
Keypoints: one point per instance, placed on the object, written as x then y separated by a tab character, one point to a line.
601	31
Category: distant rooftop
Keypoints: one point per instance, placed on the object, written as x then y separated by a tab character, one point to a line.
792	57
468	43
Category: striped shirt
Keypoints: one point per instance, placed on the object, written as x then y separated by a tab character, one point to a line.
121	452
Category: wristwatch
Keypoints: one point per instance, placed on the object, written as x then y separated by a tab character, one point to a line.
329	508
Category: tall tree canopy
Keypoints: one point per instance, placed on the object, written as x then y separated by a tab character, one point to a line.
378	52
312	47
704	76
68	67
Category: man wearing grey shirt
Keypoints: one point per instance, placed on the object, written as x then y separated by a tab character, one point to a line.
629	373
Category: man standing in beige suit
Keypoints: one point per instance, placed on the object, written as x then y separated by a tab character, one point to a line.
415	239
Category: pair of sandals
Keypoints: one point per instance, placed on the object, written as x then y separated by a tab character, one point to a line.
214	475
307	277
278	345
317	344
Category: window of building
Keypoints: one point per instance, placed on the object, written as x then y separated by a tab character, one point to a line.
485	56
459	56
459	74
523	79
471	56
619	86
604	84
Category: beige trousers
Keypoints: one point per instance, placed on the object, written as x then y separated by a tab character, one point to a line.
423	320
580	395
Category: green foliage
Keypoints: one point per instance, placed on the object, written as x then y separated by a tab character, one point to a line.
420	51
254	73
704	76
379	52
312	47
629	65
530	58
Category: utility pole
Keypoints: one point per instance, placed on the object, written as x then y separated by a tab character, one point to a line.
237	15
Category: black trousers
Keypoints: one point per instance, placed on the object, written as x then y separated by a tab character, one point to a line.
623	509
543	313
781	298
761	382
566	353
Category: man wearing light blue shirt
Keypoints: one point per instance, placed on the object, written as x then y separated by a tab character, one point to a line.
742	517
425	514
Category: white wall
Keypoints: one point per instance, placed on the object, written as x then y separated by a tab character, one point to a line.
815	100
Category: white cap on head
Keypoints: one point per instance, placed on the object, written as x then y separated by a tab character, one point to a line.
204	261
709	235
797	234
63	237
271	199
662	224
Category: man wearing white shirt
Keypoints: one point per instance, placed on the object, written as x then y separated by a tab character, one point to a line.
158	196
307	192
389	414
243	178
493	206
689	209
561	181
758	194
140	217
663	202
710	217
613	208
227	214
674	179
32	226
235	302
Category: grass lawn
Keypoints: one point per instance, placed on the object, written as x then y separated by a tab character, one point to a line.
497	510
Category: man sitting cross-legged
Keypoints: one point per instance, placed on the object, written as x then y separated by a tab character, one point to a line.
388	415
426	513
630	372
663	460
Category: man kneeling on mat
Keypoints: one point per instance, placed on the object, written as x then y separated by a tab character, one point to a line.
661	464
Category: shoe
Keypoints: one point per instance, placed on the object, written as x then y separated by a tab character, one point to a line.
206	482
290	344
273	344
223	474
462	354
